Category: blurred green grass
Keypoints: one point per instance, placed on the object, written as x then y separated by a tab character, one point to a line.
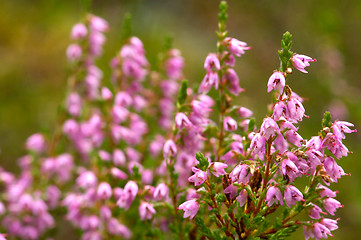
33	68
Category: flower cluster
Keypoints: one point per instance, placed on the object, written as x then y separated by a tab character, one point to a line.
207	170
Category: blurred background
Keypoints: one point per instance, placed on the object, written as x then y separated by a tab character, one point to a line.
33	68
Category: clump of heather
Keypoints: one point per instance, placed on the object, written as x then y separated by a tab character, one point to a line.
148	157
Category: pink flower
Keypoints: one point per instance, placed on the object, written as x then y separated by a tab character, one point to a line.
229	124
146	211
117	173
119	157
294	138
242	197
79	31
106	94
269	128
274	195
86	180
281	144
161	192
292	194
244	112
156	145
235	46
233	82
104	191
74	52
333	169
74	104
301	61
104	155
217	168
276	81
258	145
123	99
98	24
209	80
321	231
211	64
190	208
315	212
128	195
231	190
169	149
174	64
294	110
199	176
105	213
36	143
315	142
279	110
289	169
115	228
325	191
317	231
341	127
331	205
119	114
335	145
241	174
182	121
137	44
330	223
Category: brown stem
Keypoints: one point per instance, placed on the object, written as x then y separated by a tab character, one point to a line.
219	216
221	118
265	179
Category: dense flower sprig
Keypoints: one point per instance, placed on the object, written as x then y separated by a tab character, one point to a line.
113	174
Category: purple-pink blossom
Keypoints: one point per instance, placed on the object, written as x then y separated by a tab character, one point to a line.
169	149
292	195
217	168
229	124
198	177
235	46
276	81
301	61
146	211
190	208
274	195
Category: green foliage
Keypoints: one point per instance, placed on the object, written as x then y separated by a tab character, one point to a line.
136	174
326	120
220	198
251	124
168	43
206	231
285	54
203	161
222	15
127	27
182	95
284	232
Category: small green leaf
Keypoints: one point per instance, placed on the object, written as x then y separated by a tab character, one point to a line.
326	120
251	124
168	43
203	161
182	96
127	27
220	198
222	15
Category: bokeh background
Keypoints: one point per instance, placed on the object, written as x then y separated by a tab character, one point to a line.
33	68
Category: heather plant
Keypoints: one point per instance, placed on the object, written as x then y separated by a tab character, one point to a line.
149	157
